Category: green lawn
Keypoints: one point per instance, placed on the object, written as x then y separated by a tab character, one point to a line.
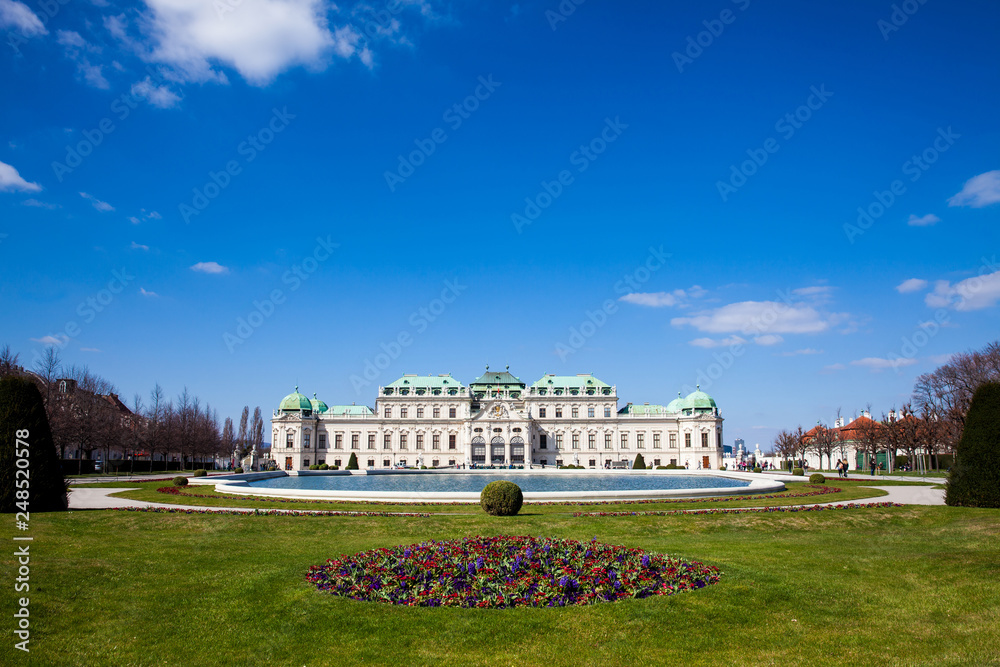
898	586
850	491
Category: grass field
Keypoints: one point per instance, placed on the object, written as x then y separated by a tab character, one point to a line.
898	586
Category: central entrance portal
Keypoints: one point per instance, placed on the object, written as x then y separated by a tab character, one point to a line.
497	448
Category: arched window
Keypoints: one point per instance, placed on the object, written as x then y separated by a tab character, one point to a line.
497	453
479	449
516	449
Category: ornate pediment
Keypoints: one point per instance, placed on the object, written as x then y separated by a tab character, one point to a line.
498	410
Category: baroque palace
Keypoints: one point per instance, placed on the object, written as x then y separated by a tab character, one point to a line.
436	421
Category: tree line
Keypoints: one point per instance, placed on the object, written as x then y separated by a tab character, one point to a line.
931	423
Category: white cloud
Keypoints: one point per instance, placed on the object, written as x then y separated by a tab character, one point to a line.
911	285
878	364
797	353
89	349
768	339
832	368
10	180
74	47
134	220
138	246
710	343
979	191
813	291
923	221
663	299
159	96
209	267
144	292
58	340
15	14
152	214
258	38
101	206
970	294
751	317
940	358
38	204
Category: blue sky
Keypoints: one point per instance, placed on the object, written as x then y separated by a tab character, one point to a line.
793	204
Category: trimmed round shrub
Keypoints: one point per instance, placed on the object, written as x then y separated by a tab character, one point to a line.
756	469
334	467
238	471
661	467
323	466
817	478
180	481
200	473
25	426
501	498
798	471
974	479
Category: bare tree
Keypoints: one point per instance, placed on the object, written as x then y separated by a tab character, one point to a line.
228	441
243	435
256	430
785	444
47	367
825	441
8	361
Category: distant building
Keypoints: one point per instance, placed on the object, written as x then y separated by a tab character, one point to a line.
438	421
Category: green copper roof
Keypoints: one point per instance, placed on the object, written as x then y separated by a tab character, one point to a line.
426	381
677	404
348	410
580	381
502	378
318	405
699	400
295	402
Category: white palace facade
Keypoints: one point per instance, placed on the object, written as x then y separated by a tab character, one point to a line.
436	421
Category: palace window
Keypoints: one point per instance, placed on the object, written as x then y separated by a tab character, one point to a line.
576	441
558	413
402	441
575	413
607	441
355	441
656	462
371	442
451	413
640	440
436	441
371	463
402	413
305	442
420	413
591	441
718	439
451	440
322	441
305	463
290	441
336	462
624	440
541	413
656	441
543	441
590	412
420	440
386	463
704	440
338	441
435	463
687	439
607	412
593	463
388	413
387	442
436	413
673	441
559	441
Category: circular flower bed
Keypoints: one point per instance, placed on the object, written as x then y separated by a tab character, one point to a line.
507	571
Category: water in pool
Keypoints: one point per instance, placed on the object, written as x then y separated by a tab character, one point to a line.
473	482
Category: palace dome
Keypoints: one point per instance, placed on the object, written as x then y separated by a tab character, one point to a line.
295	402
699	400
677	404
318	406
